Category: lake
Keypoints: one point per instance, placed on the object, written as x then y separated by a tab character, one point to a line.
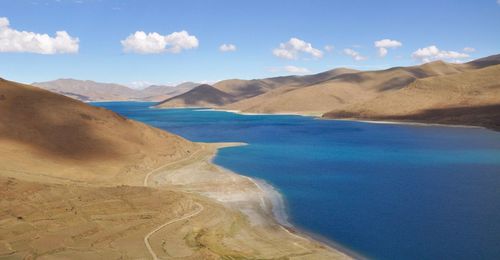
384	191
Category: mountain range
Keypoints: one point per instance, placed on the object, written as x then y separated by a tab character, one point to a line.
435	92
87	90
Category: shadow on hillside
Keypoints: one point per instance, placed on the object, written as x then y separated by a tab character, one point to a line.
52	124
203	93
486	116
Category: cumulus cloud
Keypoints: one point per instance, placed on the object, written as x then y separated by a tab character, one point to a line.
227	47
142	43
354	54
290	50
12	40
432	52
470	49
385	44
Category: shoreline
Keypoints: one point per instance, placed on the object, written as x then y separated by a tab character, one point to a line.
319	117
281	216
411	123
315	116
261	114
262	205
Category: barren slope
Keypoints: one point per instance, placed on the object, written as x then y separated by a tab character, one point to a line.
471	98
41	131
340	90
243	89
200	96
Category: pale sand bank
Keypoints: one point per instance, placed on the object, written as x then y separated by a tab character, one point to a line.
313	114
318	115
400	123
261	204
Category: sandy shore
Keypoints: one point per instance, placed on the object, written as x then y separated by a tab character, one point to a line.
313	114
318	115
401	123
259	202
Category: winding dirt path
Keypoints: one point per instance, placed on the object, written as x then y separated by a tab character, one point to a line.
146	178
146	238
192	214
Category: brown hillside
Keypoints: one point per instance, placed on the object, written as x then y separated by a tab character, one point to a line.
200	96
243	89
341	90
41	132
471	97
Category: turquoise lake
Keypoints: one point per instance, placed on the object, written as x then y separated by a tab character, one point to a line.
383	191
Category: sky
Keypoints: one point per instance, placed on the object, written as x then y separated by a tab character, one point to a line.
139	43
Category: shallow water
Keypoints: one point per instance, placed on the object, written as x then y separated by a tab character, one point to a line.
384	191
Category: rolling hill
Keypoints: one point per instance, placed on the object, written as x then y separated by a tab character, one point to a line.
392	94
233	90
200	96
468	98
41	132
340	90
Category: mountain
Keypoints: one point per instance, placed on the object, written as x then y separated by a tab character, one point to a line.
243	89
468	98
339	90
437	92
485	62
229	91
155	93
87	90
161	92
45	132
200	96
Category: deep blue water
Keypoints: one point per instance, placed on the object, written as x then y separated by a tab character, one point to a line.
384	191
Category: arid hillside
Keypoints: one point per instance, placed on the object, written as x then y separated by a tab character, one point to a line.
201	96
468	98
435	92
53	135
340	90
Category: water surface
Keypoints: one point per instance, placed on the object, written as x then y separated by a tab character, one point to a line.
384	191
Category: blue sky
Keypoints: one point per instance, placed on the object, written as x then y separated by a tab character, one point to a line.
101	42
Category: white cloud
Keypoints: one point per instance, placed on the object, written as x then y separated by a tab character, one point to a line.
329	48
354	54
143	43
470	49
12	40
498	2
227	47
290	50
385	44
432	52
